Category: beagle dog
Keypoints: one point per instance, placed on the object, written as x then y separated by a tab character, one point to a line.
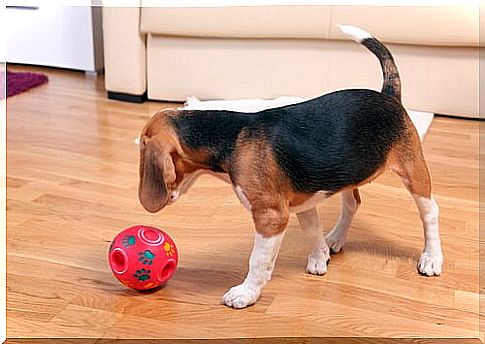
289	159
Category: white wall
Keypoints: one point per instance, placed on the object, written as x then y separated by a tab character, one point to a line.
53	35
2	34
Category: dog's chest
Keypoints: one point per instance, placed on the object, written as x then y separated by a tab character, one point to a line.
312	202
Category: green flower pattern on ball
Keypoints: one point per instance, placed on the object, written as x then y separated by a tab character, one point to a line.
146	257
143	274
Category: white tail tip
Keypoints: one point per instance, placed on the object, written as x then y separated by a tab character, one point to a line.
357	34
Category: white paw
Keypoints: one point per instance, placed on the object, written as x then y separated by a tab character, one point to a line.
335	241
430	264
318	266
241	296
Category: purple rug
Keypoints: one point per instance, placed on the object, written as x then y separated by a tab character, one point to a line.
18	82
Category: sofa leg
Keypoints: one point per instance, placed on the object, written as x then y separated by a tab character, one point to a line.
126	97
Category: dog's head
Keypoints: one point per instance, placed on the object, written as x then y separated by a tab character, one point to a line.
161	168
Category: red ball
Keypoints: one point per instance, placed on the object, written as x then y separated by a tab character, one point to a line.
143	257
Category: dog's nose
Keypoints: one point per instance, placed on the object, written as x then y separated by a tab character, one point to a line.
174	195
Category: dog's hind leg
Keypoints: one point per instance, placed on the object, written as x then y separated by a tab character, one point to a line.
351	201
411	167
313	229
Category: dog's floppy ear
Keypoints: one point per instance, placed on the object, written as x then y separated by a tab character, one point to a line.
157	173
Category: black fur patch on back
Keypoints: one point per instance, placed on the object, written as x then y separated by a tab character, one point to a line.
326	143
333	141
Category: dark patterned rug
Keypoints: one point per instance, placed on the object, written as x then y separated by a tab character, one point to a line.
18	82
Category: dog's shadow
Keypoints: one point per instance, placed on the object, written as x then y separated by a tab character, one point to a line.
362	239
370	242
208	280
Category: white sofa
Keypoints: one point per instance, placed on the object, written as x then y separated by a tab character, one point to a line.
269	51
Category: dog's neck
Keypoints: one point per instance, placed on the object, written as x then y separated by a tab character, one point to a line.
209	137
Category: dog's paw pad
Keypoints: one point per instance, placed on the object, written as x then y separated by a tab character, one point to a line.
430	264
240	296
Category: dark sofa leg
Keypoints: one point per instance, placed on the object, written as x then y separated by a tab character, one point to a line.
126	97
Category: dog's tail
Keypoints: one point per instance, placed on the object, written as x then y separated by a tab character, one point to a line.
392	82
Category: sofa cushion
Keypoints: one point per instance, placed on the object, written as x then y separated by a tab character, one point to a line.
419	25
238	22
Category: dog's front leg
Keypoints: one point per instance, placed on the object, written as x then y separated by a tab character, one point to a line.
261	266
266	245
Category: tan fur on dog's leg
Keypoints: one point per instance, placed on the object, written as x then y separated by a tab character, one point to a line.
263	191
313	229
350	203
411	167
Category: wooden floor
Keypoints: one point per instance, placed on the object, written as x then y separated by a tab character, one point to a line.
72	185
